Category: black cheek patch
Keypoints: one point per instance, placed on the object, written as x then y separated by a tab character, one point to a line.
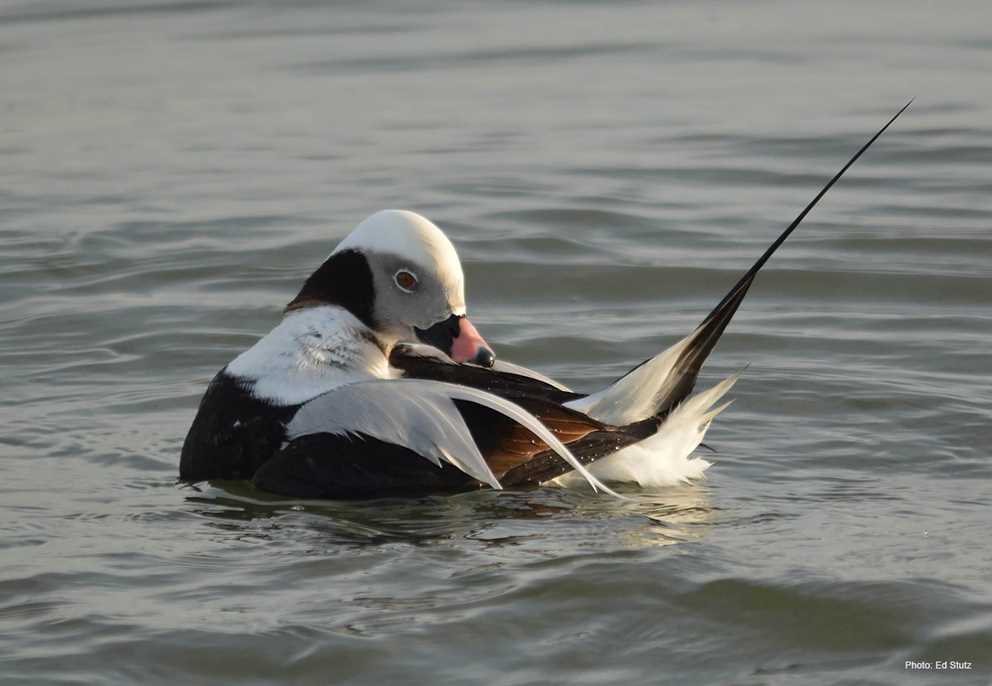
345	279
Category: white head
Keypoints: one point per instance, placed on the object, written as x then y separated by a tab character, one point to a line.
399	275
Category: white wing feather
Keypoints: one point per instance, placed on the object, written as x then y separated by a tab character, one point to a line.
635	396
421	415
665	459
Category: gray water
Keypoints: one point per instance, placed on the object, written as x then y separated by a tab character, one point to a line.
170	172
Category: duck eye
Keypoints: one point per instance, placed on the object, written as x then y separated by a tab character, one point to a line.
405	280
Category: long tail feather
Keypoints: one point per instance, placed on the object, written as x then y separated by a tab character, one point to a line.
682	377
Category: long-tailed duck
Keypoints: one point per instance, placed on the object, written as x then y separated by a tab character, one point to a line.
375	383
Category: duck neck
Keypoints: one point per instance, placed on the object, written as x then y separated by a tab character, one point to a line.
312	351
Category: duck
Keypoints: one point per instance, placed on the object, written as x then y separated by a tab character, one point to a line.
375	383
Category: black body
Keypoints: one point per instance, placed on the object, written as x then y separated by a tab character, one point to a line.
233	433
352	467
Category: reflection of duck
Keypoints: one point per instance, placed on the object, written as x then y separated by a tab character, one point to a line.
331	404
494	519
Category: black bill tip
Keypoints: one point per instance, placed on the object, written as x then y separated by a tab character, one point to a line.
485	358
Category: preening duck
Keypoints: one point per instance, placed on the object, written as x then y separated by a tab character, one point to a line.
375	383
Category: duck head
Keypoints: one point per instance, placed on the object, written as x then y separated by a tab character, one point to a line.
400	276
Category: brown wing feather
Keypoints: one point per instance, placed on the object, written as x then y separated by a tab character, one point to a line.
416	365
518	445
507	446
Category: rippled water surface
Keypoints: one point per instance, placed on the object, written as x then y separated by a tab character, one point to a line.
171	171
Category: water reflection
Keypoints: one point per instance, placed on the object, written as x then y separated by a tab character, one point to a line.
566	517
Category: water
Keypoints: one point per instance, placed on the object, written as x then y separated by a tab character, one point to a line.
170	172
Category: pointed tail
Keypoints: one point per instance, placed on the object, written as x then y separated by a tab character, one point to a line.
657	385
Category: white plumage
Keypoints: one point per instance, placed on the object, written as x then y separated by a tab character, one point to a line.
665	459
635	396
310	352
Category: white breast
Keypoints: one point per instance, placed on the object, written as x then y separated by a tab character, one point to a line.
309	353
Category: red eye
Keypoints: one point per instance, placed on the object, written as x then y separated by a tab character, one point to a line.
405	280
